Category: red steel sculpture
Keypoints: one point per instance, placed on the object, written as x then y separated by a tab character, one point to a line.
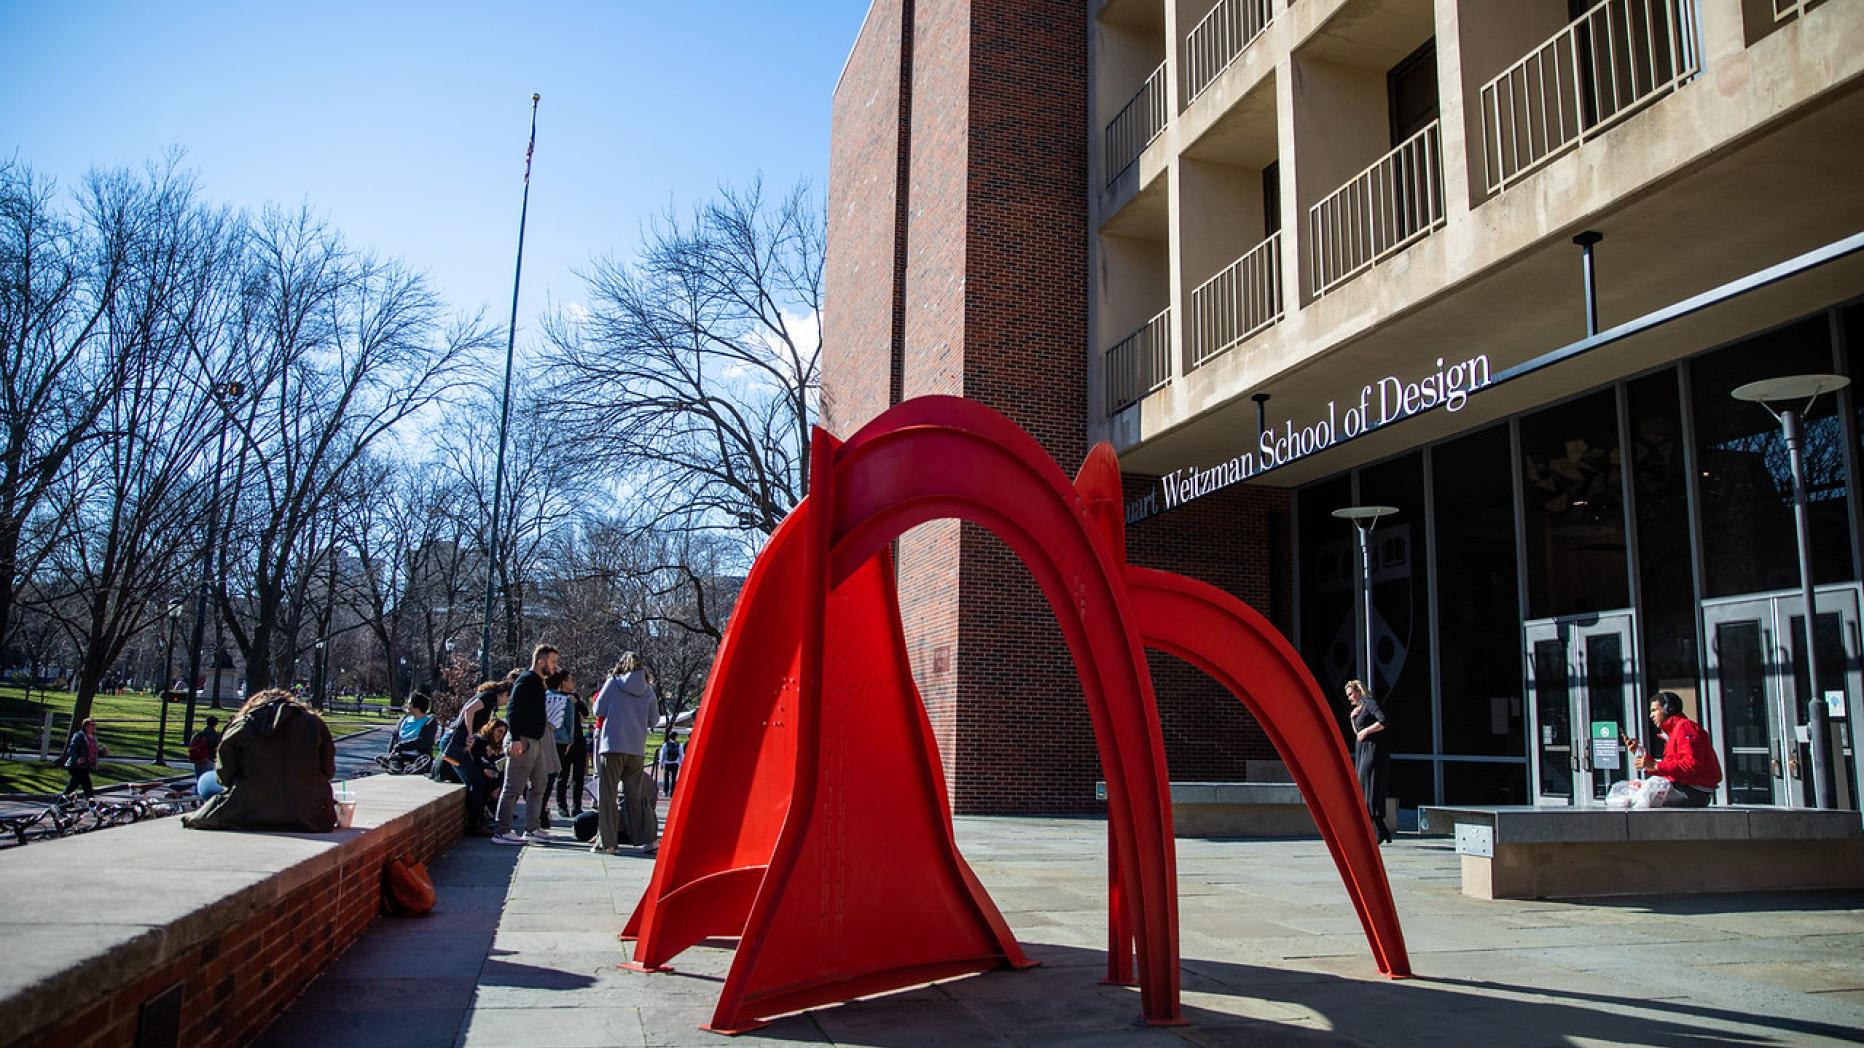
812	823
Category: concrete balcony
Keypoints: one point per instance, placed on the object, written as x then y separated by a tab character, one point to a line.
1602	67
1392	204
1140	363
1224	32
1241	301
1134	127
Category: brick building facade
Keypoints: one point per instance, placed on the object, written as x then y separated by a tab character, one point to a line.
958	265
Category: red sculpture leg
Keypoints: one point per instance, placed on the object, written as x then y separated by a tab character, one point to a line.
1228	640
859	887
945	457
735	793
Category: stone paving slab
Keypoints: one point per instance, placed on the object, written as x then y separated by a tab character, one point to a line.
1272	955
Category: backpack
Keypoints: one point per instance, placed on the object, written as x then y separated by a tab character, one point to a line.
407	890
560	704
200	751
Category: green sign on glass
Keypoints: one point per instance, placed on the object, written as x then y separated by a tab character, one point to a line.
1605	746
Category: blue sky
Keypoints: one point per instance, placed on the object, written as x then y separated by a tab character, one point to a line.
405	123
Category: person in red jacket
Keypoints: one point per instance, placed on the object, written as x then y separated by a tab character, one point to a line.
1688	758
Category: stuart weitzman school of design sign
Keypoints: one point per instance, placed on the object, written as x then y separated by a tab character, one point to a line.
1380	403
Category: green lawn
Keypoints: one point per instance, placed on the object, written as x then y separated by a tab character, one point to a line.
126	724
34	776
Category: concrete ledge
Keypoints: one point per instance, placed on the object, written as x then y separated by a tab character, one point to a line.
1242	809
1526	853
98	924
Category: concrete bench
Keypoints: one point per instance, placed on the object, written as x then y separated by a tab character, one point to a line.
156	934
1533	853
1242	809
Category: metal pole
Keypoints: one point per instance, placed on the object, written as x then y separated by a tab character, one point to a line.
207	571
1365	577
330	623
161	694
1262	403
1821	767
1590	275
504	417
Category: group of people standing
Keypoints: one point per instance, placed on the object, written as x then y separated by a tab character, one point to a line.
544	744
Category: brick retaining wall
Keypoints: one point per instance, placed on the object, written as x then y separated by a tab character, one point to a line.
99	927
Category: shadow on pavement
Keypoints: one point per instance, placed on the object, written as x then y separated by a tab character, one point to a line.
1069	1006
1731	902
408	982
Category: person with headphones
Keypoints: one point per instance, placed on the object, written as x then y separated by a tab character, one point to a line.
1688	758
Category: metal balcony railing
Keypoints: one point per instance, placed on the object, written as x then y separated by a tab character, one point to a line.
1219	37
1136	125
1396	201
1238	302
1139	363
1785	9
1607	64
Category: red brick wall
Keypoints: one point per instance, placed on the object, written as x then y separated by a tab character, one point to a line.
1238	540
994	276
236	981
864	202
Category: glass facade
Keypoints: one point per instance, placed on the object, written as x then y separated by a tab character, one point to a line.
1546	572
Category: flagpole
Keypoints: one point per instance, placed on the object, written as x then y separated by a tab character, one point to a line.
504	417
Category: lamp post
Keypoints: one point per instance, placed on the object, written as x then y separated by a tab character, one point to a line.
1364	519
168	659
1782	398
318	698
222	393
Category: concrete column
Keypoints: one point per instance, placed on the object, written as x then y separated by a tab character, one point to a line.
1293	224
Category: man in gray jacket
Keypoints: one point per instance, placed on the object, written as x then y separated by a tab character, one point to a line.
624	712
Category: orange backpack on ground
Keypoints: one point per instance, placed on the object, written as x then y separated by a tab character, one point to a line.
407	890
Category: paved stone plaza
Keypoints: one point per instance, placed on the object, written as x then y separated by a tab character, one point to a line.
522	952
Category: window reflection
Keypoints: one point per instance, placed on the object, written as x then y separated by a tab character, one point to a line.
1574	508
1478	610
1666	581
1746	481
1329	572
1401	600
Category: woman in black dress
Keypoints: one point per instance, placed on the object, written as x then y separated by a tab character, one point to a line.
1372	754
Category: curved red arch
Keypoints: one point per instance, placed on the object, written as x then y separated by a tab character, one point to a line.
1229	640
813	753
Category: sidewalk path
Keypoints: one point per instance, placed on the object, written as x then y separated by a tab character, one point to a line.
522	954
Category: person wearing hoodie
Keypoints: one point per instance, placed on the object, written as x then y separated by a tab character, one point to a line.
624	712
276	762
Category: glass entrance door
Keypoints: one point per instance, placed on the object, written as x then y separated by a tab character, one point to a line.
1759	693
1582	678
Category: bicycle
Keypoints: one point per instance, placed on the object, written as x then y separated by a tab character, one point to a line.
60	817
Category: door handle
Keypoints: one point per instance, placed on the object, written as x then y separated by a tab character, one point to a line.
1776	767
1792	766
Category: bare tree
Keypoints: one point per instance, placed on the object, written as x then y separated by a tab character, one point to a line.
694	372
410	589
338	350
545	481
60	280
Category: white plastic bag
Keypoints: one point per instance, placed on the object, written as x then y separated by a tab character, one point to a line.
1638	794
1623	795
1655	793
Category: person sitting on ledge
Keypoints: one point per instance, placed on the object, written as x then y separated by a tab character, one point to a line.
411	747
1688	758
276	763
